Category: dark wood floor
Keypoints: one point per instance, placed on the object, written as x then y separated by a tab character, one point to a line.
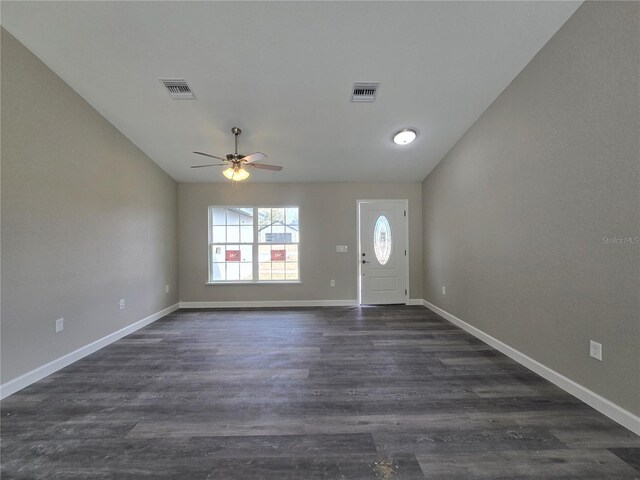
382	393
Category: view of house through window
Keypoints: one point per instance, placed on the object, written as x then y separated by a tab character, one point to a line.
245	249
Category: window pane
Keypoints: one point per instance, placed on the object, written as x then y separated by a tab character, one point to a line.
246	234
233	234
292	253
292	235
246	253
277	271
264	253
264	234
233	271
291	217
264	216
232	253
246	216
217	253
264	271
246	271
233	216
218	272
218	216
292	270
277	216
218	234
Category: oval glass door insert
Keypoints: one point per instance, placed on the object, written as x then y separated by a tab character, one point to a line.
382	241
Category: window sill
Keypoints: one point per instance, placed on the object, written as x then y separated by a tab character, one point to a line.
291	282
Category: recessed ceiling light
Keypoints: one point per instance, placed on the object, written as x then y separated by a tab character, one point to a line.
404	136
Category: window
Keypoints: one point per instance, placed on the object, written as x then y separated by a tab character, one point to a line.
253	244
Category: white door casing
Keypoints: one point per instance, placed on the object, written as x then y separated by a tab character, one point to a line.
382	254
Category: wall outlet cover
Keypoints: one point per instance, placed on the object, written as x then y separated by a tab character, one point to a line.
595	350
122	304
444	290
59	326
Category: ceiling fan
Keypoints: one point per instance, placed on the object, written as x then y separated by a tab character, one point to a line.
237	162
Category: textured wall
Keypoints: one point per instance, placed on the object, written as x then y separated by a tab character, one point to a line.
517	216
87	219
327	219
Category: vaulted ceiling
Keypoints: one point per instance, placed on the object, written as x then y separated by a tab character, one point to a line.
283	72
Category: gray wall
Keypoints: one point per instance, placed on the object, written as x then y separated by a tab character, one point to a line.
327	219
87	219
515	215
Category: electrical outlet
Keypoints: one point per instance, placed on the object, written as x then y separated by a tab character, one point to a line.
122	304
444	290
59	325
333	283
595	350
166	289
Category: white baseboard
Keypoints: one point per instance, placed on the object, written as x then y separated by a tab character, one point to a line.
607	407
12	386
283	303
271	303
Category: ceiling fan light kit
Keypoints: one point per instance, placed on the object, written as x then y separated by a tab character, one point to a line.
405	136
236	174
237	162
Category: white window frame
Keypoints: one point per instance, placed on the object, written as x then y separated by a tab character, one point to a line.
255	247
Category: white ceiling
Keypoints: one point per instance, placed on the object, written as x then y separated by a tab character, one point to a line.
283	72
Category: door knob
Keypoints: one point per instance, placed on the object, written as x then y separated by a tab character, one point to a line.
364	261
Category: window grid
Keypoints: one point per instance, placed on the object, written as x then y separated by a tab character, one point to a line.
269	255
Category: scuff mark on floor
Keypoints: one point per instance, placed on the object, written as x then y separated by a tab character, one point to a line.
385	470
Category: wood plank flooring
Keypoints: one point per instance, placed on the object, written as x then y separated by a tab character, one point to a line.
381	393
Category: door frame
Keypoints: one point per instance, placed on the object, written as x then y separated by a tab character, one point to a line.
405	203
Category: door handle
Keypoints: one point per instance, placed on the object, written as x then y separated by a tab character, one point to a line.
364	261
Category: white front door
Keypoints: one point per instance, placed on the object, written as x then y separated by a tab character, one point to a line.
383	251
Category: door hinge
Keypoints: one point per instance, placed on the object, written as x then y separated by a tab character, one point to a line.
405	213
405	253
405	292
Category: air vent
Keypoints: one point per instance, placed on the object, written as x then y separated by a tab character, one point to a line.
178	88
364	91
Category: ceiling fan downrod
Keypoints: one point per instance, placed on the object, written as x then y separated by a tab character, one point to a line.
236	133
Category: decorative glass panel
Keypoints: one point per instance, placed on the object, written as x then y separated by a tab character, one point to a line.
382	241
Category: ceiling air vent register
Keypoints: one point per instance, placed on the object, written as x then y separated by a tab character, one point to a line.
178	88
364	91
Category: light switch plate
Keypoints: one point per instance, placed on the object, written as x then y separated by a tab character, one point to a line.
341	248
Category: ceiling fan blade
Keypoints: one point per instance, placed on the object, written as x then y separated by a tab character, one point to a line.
264	166
211	165
211	156
254	157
